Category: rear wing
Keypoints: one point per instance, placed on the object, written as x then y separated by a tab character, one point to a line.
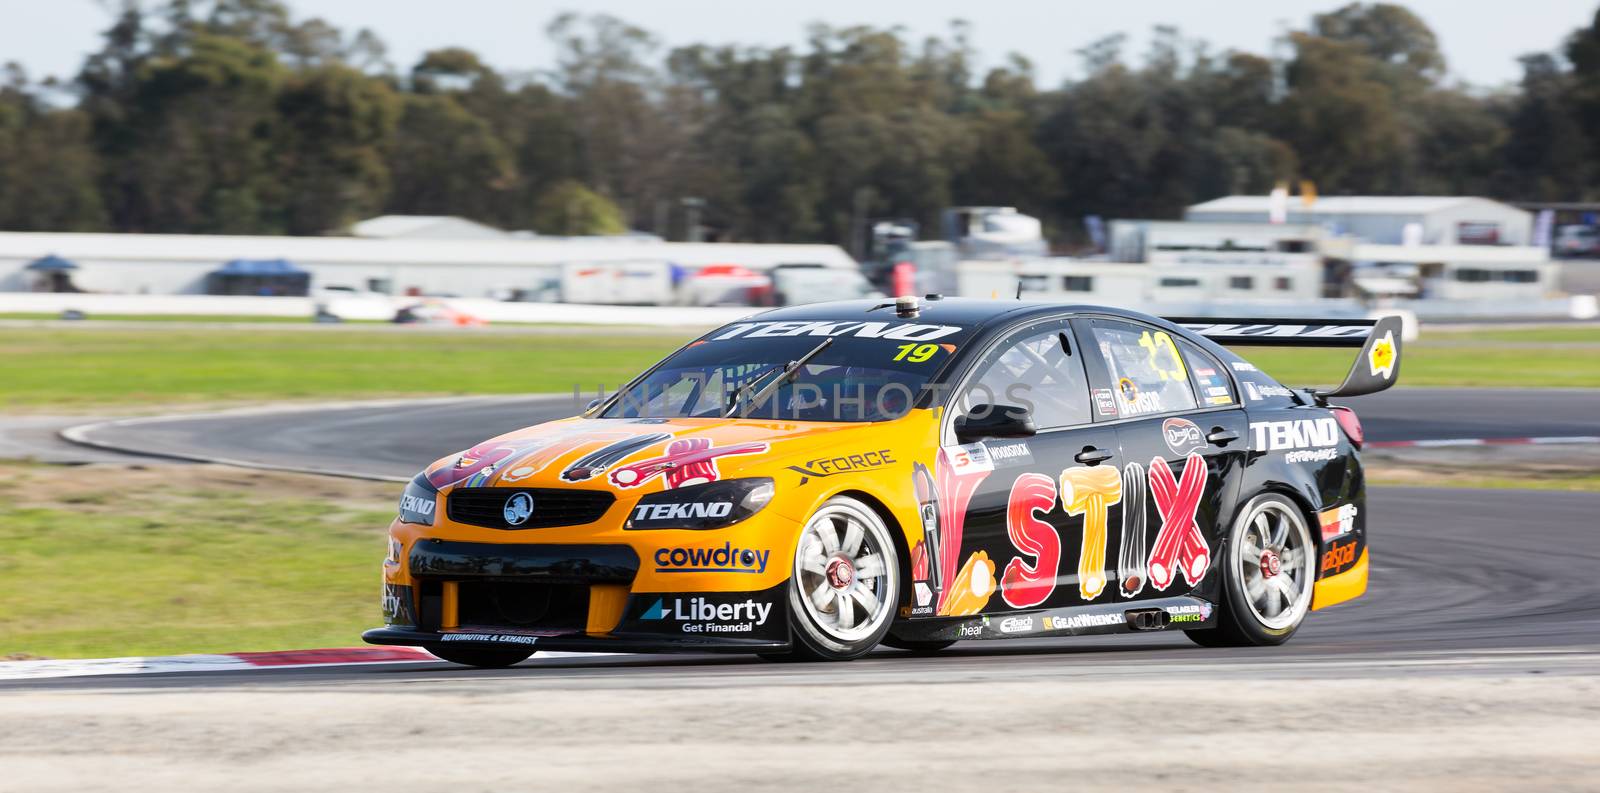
1376	367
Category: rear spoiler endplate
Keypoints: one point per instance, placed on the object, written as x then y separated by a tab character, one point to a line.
1376	367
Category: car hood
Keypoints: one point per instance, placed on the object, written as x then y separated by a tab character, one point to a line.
641	455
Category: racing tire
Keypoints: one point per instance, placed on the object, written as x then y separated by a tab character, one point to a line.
844	584
1268	572
480	657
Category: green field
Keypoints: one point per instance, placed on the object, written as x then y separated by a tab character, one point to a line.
1547	357
82	368
105	561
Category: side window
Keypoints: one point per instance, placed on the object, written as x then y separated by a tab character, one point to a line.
1210	381
1037	370
1147	371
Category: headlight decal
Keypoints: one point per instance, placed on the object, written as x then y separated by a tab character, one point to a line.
420	502
713	505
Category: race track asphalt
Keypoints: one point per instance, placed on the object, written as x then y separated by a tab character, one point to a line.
1463	581
397	439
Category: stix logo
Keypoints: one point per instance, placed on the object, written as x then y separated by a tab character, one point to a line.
1180	548
726	559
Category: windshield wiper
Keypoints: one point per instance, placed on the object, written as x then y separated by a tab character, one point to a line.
790	369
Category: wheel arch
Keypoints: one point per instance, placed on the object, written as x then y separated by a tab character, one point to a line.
896	531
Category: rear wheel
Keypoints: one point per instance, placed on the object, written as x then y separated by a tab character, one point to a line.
481	657
845	583
1267	578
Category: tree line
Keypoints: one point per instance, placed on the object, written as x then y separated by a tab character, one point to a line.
236	117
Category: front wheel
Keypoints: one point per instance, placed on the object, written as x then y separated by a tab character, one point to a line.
845	583
1267	579
481	657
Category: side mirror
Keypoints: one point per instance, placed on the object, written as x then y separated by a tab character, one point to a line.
994	421
593	403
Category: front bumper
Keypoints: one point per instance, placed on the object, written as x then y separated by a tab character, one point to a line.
574	597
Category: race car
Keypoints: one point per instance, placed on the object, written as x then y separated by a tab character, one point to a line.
812	482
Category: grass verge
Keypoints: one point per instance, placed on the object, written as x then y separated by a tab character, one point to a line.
79	368
1552	357
99	561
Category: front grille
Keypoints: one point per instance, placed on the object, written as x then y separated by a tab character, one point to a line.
546	608
485	506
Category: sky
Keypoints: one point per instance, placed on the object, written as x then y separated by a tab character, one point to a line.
1481	39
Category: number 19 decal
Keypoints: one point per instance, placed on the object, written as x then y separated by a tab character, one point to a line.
916	353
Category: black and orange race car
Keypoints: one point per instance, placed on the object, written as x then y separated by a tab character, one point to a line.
819	480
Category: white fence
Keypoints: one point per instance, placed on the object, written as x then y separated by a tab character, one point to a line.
376	307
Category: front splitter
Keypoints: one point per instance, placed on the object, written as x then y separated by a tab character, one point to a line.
575	643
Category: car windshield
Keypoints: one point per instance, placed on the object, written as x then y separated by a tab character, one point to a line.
873	371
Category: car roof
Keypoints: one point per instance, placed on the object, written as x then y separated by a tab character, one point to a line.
966	311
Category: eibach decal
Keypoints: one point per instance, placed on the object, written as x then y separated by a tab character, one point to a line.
596	462
1179	547
686	461
1026	585
1090	491
1131	549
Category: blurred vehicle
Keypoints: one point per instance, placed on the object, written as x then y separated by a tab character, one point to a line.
798	284
993	233
645	282
813	481
346	303
1577	242
436	312
725	285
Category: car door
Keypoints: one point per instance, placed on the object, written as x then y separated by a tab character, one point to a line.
1183	436
1024	519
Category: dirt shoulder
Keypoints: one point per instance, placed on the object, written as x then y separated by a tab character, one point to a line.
1464	733
1537	467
